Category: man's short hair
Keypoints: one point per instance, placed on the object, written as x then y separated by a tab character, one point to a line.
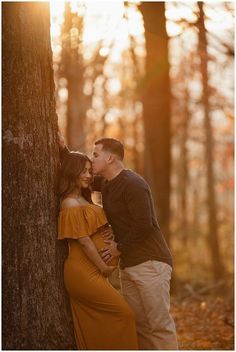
112	145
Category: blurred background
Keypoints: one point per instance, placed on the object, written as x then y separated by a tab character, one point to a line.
159	77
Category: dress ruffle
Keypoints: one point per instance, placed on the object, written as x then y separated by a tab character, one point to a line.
80	221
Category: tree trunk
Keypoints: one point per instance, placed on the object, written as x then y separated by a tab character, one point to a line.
72	69
156	100
35	311
217	265
184	167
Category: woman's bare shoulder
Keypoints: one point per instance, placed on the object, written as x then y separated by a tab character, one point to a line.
69	202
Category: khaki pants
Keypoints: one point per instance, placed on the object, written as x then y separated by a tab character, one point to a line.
146	289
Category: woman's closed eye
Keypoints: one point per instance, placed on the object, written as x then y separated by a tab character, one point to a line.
87	170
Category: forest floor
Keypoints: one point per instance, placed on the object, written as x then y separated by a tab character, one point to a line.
204	321
203	314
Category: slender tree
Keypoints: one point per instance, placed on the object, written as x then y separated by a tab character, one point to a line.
184	174
155	90
72	69
35	311
213	232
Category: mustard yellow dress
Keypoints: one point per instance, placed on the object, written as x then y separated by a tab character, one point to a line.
102	319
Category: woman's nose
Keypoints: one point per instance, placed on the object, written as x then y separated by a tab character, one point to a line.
88	174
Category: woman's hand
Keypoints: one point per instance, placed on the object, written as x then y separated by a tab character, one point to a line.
91	251
109	252
108	270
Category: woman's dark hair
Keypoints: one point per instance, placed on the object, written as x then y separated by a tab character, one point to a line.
72	166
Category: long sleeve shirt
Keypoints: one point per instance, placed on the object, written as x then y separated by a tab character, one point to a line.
128	204
129	208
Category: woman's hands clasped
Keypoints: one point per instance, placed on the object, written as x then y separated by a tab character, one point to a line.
109	251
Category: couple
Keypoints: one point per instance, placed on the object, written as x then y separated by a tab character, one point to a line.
103	319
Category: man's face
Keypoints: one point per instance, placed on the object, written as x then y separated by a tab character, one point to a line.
99	160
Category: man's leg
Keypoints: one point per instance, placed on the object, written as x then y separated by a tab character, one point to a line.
152	282
132	297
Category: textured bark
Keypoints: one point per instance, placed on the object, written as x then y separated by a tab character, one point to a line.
156	101
35	308
217	265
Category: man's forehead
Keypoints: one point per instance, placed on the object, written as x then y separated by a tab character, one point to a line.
97	148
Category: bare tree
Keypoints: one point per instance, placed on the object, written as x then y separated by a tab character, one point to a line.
72	69
156	100
213	239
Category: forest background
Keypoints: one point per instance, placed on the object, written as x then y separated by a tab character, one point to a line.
159	77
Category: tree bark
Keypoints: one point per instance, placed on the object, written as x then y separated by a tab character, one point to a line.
35	309
156	101
217	265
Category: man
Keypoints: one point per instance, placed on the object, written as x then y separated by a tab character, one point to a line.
145	260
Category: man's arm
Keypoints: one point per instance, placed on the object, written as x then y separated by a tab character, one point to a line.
139	203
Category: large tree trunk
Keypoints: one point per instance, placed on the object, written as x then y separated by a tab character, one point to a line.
156	101
35	312
217	265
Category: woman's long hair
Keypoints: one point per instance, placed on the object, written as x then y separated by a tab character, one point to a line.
71	168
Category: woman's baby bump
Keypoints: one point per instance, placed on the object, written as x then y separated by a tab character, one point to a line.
98	240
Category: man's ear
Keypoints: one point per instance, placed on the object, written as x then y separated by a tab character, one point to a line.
111	158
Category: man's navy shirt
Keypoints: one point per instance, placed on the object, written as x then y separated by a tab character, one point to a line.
129	208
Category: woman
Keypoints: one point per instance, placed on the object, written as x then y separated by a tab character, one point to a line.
102	319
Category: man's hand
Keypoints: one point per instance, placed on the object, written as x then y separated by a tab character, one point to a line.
107	233
109	252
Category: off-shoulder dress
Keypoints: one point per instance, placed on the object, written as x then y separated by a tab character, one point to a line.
102	318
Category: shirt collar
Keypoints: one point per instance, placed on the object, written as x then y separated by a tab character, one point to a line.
115	179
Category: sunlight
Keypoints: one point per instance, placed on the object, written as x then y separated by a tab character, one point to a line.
183	12
178	14
102	21
106	28
104	51
173	29
56	11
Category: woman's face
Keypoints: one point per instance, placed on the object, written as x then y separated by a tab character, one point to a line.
85	177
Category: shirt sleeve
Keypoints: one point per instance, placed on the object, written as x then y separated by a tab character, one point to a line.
139	203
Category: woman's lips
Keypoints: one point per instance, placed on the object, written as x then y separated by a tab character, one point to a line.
86	181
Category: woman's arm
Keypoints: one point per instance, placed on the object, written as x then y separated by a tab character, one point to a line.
92	253
64	151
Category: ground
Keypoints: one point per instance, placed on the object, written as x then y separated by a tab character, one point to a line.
205	323
203	314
